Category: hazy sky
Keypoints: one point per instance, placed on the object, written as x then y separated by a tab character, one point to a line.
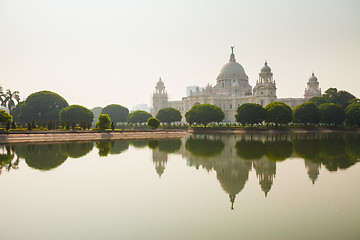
95	53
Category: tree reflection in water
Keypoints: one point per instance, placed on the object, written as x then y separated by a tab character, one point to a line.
43	157
8	160
76	150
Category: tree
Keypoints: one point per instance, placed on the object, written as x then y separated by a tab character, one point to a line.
76	114
332	113
250	113
104	122
307	113
139	116
9	98
169	115
116	112
343	98
317	101
204	114
330	95
352	113
153	123
278	113
43	106
5	118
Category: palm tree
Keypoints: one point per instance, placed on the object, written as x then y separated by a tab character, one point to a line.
1	95
9	98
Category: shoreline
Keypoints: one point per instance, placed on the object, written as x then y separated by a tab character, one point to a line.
58	136
141	134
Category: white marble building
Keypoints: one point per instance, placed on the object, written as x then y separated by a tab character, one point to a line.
231	90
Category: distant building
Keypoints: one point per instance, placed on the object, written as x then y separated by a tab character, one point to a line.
232	89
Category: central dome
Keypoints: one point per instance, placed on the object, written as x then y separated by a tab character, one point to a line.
232	68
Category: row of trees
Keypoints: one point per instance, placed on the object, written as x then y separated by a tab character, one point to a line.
334	107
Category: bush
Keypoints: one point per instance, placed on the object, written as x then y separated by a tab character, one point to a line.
104	122
153	123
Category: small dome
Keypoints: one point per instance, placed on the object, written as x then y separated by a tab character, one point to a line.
265	68
160	83
313	78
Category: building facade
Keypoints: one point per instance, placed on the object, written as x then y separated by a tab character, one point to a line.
231	90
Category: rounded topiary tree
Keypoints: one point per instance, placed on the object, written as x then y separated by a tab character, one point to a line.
352	113
43	106
116	112
169	115
153	123
204	114
76	114
139	116
278	113
250	113
307	113
104	122
332	113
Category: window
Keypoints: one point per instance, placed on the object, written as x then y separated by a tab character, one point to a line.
223	85
262	92
230	106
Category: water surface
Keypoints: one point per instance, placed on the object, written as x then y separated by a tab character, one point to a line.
200	187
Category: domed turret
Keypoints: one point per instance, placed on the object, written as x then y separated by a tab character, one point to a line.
313	78
312	89
265	88
160	86
160	97
266	68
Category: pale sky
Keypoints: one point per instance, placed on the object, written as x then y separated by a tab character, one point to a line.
96	53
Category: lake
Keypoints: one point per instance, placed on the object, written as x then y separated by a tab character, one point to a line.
225	186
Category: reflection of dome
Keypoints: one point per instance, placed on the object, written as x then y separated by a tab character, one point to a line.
232	177
313	78
265	68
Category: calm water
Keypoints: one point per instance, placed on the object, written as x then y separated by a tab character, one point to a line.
201	187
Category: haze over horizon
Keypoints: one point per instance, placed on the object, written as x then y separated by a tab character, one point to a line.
96	53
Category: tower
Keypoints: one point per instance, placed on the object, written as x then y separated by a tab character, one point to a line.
160	97
265	89
312	89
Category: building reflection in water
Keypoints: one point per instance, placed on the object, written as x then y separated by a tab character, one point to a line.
233	156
